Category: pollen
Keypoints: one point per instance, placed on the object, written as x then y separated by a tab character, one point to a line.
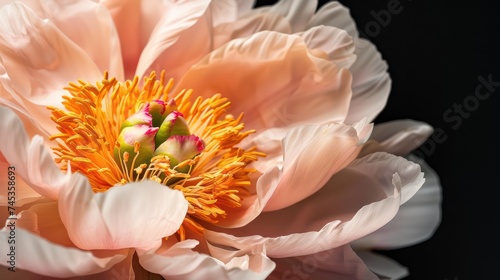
214	180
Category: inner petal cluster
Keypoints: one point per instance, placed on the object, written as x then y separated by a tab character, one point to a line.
116	133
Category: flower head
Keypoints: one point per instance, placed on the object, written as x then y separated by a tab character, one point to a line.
210	139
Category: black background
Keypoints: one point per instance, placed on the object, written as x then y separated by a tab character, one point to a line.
436	52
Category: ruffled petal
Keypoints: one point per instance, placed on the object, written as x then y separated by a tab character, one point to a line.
312	154
381	265
247	26
371	83
181	262
38	255
275	81
336	15
184	23
402	136
80	21
244	6
38	60
132	215
298	228
416	220
299	13
340	264
335	43
31	160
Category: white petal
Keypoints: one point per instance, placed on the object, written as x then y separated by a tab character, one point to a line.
371	83
339	264
402	136
336	15
180	262
416	220
298	12
247	26
133	215
336	43
244	6
383	266
36	254
396	179
32	161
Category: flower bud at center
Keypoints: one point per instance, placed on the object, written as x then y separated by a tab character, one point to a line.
157	129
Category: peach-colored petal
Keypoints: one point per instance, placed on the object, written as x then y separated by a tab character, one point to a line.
394	178
184	23
274	80
31	159
38	255
131	215
402	136
40	60
24	193
416	220
81	20
381	265
181	262
340	264
134	21
43	219
335	43
371	83
312	154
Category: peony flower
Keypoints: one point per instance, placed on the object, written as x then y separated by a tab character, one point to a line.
202	139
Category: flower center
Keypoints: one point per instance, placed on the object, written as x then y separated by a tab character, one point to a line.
116	133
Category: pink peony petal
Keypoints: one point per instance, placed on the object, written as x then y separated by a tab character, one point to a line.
38	255
24	193
180	262
381	183
275	81
185	23
131	215
134	21
312	154
40	60
80	20
31	160
416	220
339	263
43	219
371	83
